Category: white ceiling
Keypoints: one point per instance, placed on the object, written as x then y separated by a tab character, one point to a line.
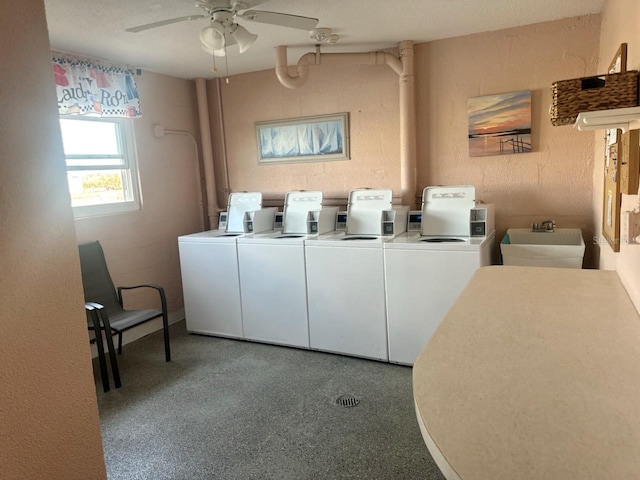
96	28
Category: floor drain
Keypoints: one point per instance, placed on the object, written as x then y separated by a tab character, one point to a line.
346	401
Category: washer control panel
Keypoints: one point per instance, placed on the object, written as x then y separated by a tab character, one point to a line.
414	221
222	221
341	221
277	221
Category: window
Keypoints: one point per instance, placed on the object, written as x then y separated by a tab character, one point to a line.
101	169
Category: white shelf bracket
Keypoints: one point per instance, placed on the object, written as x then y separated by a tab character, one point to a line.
623	118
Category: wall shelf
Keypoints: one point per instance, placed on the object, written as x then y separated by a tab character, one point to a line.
623	118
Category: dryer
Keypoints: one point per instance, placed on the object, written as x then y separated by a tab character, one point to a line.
345	278
209	269
426	270
272	272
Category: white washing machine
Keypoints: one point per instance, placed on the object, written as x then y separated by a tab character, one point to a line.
425	273
345	288
209	268
345	279
272	272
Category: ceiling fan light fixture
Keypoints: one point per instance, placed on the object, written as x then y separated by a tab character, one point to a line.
218	53
212	36
333	38
244	38
324	35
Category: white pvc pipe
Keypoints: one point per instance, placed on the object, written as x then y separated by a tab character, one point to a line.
207	152
403	67
282	68
223	143
203	211
369	58
407	125
302	67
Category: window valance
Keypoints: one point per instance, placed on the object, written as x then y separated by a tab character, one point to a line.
86	86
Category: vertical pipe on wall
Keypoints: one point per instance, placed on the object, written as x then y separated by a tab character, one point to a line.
403	67
159	132
223	143
407	125
207	152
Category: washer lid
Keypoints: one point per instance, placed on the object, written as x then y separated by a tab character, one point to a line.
214	236
364	212
238	204
446	210
297	206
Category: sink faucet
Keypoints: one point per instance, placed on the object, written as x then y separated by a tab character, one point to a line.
546	226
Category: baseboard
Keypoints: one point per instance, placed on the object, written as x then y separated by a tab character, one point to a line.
143	330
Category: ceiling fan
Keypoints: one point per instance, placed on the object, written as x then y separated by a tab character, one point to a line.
223	31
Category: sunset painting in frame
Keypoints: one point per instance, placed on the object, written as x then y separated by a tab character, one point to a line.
500	124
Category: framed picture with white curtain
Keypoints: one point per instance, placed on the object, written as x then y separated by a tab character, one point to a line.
306	139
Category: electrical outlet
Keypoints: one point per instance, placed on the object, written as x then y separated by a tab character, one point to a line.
633	227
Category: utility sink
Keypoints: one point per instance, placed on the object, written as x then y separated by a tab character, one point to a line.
563	247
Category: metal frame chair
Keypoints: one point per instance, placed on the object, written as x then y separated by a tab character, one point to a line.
99	288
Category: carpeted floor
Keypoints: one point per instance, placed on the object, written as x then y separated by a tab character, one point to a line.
228	409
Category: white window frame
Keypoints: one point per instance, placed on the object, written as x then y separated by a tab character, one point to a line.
131	186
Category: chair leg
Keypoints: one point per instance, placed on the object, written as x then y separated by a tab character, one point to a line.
165	325
101	359
112	351
119	343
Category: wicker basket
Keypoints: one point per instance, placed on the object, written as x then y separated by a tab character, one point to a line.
587	94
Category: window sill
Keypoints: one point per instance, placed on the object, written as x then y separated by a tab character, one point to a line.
91	211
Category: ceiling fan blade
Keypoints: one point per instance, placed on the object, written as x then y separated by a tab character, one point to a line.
249	3
148	26
281	19
225	4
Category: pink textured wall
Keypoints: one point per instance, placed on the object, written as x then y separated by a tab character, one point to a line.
141	246
368	93
554	181
48	414
620	22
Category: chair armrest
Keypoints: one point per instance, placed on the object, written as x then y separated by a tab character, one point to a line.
99	308
160	290
89	306
147	285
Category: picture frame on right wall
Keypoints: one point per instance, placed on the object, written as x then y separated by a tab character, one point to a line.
500	124
612	198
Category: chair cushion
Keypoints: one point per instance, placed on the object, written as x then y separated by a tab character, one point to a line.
130	318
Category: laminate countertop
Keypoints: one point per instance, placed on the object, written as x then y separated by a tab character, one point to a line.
534	374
